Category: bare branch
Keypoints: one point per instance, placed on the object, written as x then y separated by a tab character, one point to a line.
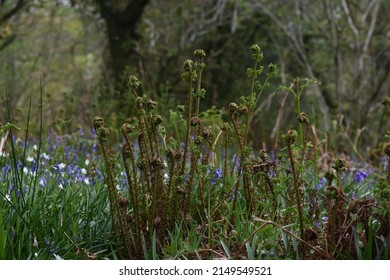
372	27
367	10
298	44
349	18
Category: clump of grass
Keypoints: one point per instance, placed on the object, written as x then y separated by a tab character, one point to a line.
51	201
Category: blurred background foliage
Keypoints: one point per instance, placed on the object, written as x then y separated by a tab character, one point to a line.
83	51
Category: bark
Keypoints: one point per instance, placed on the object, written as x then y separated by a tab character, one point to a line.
122	17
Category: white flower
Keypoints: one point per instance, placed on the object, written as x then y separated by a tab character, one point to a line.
61	186
25	170
62	165
87	162
7	198
86	180
30	159
35	147
45	156
166	177
84	171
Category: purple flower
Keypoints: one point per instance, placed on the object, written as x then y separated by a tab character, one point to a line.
43	182
217	175
321	183
232	196
360	176
236	158
81	131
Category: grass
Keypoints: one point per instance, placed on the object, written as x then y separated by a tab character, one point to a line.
191	188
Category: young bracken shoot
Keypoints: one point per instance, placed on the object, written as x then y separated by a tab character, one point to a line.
192	187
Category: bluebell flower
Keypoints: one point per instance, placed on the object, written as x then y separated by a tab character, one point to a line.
62	183
232	196
94	147
45	156
360	176
34	168
86	181
43	182
60	166
217	175
321	183
81	132
68	169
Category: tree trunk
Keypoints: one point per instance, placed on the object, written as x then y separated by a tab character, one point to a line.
122	17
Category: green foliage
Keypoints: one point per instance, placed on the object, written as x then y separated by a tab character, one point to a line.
203	193
190	188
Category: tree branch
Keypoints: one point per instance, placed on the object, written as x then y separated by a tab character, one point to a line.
349	18
14	10
372	27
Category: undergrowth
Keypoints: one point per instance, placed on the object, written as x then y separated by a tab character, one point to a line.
191	186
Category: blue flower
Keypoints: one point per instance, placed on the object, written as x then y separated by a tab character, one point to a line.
360	176
232	196
321	183
60	166
217	175
43	182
